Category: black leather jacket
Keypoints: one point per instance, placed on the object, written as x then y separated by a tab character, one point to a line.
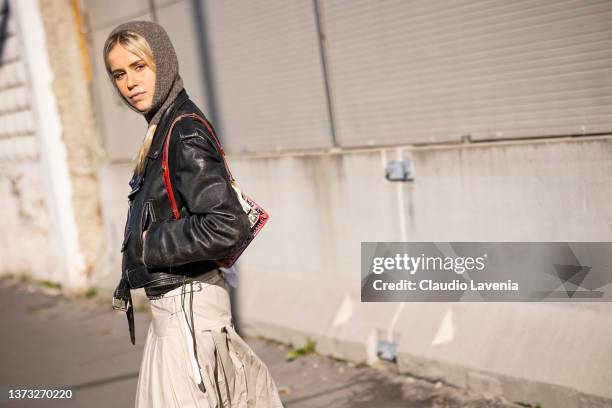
212	223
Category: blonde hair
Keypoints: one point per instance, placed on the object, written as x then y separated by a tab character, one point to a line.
136	44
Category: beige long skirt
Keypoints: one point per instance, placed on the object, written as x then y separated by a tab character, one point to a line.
218	369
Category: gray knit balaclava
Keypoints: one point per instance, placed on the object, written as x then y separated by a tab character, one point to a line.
168	82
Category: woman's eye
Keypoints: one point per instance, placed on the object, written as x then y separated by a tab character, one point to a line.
118	76
140	67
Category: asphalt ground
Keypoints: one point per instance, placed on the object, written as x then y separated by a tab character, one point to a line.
52	342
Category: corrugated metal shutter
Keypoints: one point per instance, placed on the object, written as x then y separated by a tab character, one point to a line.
423	71
270	87
17	122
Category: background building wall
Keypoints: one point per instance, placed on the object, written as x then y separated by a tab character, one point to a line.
72	89
301	279
52	226
26	219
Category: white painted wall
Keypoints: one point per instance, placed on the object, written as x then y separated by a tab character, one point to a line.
301	277
49	168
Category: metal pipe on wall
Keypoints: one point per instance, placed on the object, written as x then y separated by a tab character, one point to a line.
199	14
319	16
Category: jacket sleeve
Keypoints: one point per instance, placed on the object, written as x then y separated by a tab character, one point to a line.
216	224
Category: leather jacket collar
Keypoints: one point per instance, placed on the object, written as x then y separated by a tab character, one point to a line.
158	138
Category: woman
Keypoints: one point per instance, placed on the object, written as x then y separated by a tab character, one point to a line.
192	355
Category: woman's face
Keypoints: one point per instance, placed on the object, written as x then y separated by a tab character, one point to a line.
133	77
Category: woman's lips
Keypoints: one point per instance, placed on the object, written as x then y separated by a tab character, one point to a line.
137	97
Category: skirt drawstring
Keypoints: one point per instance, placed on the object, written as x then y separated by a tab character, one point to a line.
191	339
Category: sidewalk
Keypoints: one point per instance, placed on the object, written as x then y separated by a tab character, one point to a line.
52	342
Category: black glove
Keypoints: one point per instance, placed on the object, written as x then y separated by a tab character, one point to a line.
122	300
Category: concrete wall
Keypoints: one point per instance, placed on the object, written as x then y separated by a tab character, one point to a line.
27	242
301	276
52	226
71	89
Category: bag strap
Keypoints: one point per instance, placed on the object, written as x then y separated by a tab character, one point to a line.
165	166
